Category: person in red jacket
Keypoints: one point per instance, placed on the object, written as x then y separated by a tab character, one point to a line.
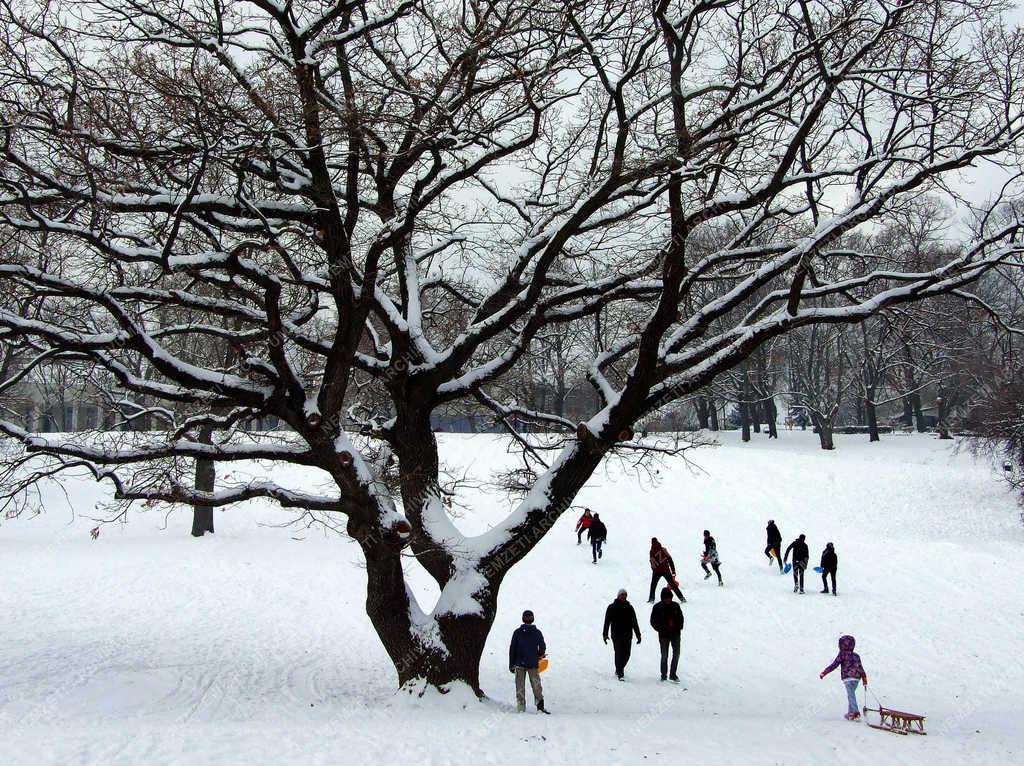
852	673
583	524
663	566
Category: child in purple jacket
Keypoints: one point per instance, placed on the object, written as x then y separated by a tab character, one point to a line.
852	673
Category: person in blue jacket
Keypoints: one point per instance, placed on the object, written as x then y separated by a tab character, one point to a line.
524	654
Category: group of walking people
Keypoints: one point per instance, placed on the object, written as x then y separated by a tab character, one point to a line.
801	558
596	531
527	650
620	624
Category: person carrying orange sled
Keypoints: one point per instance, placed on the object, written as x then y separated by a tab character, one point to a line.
774	547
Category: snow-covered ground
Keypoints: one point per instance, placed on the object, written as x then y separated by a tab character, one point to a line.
147	646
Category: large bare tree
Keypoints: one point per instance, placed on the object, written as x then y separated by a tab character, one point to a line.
394	202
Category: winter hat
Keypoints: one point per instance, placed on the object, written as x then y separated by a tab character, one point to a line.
528	616
654	541
622	592
829	545
706	533
666	593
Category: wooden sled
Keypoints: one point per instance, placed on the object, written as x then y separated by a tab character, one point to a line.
897	721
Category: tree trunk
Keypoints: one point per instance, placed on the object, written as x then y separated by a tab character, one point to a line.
700	404
908	412
772	414
940	411
745	407
872	415
433	650
713	412
860	411
824	426
206	477
915	399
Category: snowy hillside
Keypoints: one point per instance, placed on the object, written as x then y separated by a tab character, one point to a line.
146	646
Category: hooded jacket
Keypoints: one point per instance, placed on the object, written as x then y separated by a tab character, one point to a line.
774	536
848	660
584	521
829	559
667	618
801	553
527	647
597	530
661	562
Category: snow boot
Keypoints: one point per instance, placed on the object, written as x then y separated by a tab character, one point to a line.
542	709
707	575
824	591
720	583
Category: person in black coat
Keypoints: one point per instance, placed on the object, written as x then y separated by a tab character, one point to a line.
524	655
667	619
620	621
710	557
801	555
597	533
829	565
774	544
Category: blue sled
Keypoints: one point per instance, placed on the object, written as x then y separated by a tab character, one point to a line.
785	569
819	570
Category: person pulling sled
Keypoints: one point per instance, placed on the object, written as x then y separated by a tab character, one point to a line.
852	673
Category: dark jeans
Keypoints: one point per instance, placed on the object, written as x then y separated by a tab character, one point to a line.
595	548
767	552
798	574
623	648
655	576
579	534
714	565
666	640
824	581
